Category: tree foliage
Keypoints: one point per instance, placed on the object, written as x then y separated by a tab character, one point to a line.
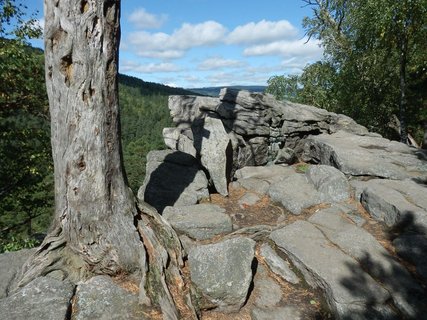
26	196
375	61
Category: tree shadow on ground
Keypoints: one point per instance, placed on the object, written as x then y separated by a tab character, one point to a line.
394	275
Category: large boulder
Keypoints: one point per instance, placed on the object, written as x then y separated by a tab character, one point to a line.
101	298
212	143
172	178
201	221
222	271
42	298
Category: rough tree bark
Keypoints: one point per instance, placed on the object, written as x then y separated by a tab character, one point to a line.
98	227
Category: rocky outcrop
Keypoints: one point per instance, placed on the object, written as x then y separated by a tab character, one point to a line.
314	199
260	129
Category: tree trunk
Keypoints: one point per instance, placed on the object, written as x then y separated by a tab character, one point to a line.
402	76
97	228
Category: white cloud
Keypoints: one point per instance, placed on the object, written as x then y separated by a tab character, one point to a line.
144	20
262	32
216	63
165	46
127	66
286	48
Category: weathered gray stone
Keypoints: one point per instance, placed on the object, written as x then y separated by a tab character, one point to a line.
277	264
101	298
342	280
361	245
200	221
172	178
267	292
285	155
278	313
43	298
213	144
295	193
184	110
397	202
222	271
381	157
10	265
178	139
331	183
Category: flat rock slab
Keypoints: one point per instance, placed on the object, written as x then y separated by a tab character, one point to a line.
381	157
43	298
346	286
397	202
10	265
200	221
277	265
101	298
277	313
295	193
331	183
267	291
269	174
172	178
223	271
361	245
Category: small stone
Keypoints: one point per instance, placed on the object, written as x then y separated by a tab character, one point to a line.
277	264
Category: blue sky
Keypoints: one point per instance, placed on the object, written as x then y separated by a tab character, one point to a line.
198	43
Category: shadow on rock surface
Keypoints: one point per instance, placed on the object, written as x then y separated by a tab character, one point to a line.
408	294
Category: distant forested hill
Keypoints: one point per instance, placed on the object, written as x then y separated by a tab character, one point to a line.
149	88
214	91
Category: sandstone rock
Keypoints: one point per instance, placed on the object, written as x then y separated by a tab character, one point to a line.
295	193
222	271
397	202
381	157
178	139
252	184
172	178
10	266
361	245
346	286
213	144
101	298
43	298
201	221
277	264
267	292
331	183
